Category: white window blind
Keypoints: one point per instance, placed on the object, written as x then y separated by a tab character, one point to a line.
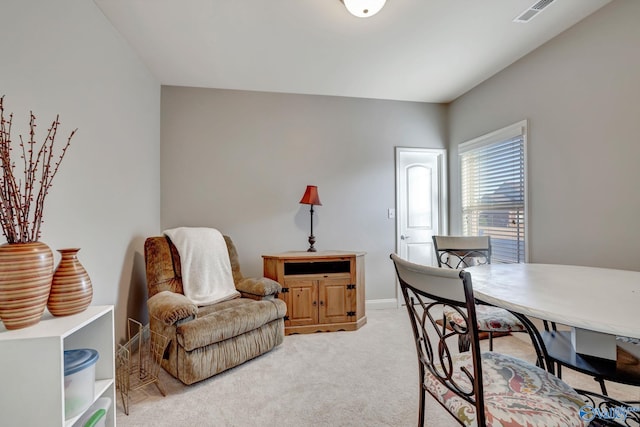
493	190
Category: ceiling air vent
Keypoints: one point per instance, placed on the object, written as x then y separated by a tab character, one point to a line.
533	11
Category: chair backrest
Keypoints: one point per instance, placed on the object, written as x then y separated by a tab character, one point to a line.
462	251
163	268
427	290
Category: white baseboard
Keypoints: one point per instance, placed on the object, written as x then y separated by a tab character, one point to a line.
381	304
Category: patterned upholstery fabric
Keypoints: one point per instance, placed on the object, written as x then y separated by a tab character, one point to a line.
516	394
490	318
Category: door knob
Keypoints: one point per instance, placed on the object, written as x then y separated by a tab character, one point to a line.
403	237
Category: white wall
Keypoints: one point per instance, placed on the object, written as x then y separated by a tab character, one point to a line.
240	162
64	57
581	94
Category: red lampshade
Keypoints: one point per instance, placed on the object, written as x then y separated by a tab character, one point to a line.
311	196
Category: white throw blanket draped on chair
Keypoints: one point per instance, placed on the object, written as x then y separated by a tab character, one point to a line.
204	260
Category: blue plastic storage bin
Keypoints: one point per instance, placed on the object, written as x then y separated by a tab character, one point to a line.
79	380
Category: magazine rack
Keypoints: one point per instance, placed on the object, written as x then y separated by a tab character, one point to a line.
138	360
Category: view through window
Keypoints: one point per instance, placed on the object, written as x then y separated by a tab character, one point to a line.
493	191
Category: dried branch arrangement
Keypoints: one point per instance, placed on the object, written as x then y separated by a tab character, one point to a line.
22	197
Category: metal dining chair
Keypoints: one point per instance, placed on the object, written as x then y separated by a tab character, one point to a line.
459	252
488	389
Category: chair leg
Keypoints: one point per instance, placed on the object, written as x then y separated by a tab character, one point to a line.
603	387
559	369
464	343
422	398
490	341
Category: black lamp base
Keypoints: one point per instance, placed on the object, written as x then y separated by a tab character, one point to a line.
312	241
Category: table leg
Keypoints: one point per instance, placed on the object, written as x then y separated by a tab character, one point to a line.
593	343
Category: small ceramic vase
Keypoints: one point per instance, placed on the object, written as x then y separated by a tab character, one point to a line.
71	290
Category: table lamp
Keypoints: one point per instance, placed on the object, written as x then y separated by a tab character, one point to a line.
311	198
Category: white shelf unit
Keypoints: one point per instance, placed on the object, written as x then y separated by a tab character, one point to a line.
32	366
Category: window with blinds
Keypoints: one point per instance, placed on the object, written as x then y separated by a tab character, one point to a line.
493	191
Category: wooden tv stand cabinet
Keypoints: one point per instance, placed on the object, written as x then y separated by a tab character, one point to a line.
324	291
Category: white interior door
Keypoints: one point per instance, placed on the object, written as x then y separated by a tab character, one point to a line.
420	203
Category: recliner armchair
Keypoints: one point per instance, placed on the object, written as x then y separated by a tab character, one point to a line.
204	341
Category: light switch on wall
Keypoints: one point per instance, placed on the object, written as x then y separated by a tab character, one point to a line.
391	213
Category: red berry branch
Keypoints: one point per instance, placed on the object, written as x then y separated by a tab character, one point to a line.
22	198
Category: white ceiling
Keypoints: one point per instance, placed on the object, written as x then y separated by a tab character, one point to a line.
413	50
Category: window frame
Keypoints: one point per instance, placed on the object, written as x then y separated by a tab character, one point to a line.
518	129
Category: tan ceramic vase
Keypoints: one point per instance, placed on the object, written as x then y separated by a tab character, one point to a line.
71	290
26	270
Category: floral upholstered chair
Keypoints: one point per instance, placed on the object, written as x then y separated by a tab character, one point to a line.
488	389
459	252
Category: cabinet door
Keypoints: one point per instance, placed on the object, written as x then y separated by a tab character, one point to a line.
336	303
302	304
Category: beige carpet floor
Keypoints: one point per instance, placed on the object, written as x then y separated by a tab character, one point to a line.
361	378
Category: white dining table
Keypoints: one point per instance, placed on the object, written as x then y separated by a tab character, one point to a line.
598	303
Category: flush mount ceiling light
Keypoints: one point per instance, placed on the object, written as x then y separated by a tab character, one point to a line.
363	8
